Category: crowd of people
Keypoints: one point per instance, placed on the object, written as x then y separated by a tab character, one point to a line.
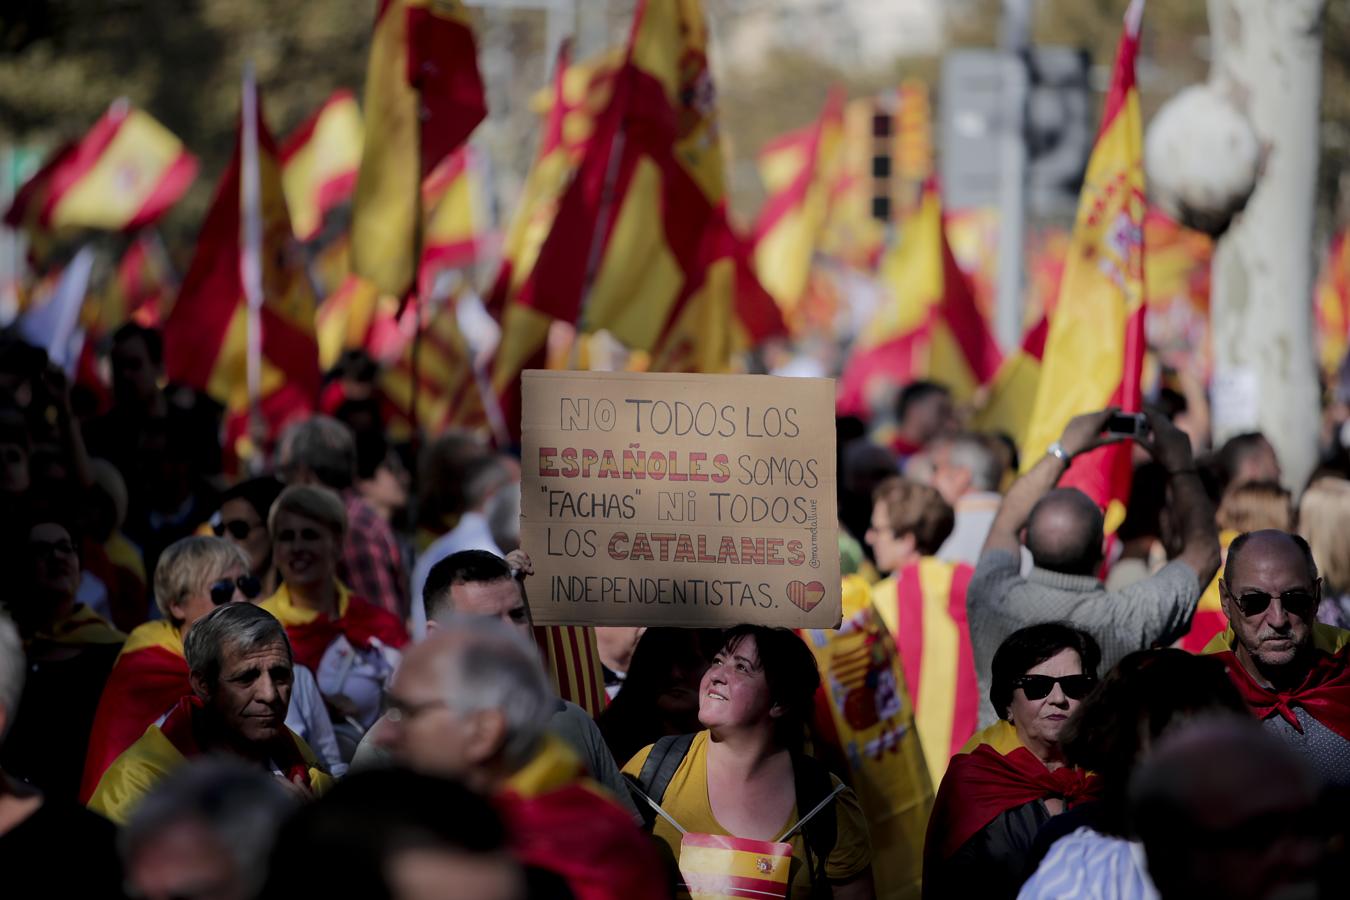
322	677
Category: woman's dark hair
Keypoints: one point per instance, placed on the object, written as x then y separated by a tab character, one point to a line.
791	673
667	665
1131	708
1027	648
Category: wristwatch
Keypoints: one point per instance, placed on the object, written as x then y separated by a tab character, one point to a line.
1058	452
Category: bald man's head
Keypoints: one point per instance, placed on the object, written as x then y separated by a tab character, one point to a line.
1064	532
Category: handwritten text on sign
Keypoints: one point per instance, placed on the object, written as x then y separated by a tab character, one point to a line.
695	500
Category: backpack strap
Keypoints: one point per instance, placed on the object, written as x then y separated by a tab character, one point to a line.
813	785
657	771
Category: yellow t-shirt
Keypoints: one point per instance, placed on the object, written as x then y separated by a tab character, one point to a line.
686	800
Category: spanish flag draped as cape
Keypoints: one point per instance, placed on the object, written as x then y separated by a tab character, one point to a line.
165	747
1324	692
562	821
311	633
993	774
81	627
149	677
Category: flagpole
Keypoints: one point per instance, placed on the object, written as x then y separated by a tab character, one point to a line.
250	260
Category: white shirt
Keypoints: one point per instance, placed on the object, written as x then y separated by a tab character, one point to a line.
1088	865
974	517
308	717
360	675
472	533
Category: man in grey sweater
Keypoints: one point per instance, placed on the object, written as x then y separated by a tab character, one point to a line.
1063	530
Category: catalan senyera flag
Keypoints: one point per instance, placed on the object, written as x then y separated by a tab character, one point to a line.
1094	351
206	333
1012	394
1333	305
319	162
924	608
798	170
423	98
572	660
122	175
447	390
865	718
455	226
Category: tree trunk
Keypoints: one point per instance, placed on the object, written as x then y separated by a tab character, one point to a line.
1268	62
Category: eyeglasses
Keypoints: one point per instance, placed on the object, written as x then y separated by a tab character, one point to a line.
1298	601
1038	687
222	591
290	535
238	528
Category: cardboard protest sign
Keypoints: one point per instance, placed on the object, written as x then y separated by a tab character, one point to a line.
690	500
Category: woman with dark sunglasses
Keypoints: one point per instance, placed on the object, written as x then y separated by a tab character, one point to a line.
242	520
1012	777
192	577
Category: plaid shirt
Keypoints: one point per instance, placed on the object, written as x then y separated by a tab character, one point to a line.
371	564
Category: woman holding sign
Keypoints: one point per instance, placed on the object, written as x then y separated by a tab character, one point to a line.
741	805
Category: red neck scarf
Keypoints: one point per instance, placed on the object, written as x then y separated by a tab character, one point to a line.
284	752
360	622
1324	692
982	785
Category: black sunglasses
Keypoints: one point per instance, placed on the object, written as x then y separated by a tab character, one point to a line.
238	528
222	591
1038	687
1299	601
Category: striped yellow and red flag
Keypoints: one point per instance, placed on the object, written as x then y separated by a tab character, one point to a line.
865	722
140	290
447	392
799	170
1094	351
924	608
1333	305
206	335
319	162
930	325
122	175
455	226
717	866
423	98
1012	394
572	659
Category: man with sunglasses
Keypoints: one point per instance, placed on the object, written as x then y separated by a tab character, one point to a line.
1063	529
1293	673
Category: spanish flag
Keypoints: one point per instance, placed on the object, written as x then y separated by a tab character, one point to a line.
149	677
345	319
930	325
524	341
1333	305
423	98
1094	352
122	175
720	313
246	247
319	162
631	227
1209	619
717	866
455	210
865	718
1012	394
924	608
798	170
